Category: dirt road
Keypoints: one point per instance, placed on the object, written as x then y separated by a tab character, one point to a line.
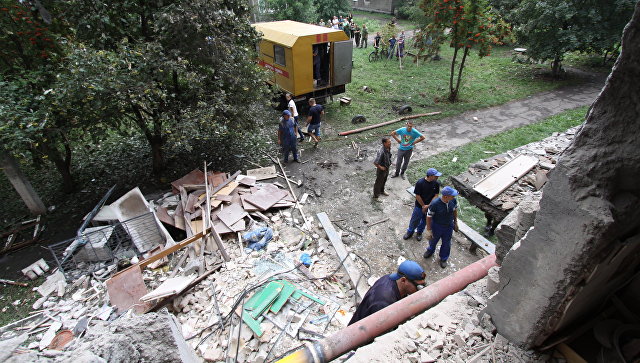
341	185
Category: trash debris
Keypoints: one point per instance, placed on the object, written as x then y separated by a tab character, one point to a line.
257	238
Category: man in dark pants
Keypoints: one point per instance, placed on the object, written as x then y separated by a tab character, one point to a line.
287	132
314	119
426	190
442	220
365	35
382	163
406	137
390	288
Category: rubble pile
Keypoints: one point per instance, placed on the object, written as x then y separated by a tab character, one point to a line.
455	330
253	279
545	152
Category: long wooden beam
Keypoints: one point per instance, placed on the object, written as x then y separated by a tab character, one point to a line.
344	133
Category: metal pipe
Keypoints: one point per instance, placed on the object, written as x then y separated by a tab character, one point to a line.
365	330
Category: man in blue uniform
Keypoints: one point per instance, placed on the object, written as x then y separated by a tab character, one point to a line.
426	190
390	288
442	220
287	132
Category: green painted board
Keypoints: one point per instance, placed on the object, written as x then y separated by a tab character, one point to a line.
285	294
267	297
252	324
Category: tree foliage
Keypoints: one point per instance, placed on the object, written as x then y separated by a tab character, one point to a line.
327	9
175	71
469	24
302	11
549	29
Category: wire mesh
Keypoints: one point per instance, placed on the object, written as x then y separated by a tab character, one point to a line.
99	247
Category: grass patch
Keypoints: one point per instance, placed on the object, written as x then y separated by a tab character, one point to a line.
487	82
499	143
24	296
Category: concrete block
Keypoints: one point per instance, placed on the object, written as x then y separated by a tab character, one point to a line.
493	280
506	234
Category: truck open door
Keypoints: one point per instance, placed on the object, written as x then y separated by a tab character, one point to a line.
342	60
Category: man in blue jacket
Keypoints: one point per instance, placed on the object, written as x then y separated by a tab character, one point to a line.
426	190
442	220
287	132
390	288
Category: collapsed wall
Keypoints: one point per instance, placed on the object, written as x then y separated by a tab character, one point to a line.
586	238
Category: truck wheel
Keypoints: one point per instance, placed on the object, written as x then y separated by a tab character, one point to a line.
357	119
404	109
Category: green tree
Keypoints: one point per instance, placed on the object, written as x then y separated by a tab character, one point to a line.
327	9
175	70
39	105
303	11
469	23
549	29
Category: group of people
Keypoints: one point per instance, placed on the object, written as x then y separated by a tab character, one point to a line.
434	209
289	131
359	34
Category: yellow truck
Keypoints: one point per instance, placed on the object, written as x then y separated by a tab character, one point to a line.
305	60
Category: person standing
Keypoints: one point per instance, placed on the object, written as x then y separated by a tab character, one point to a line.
392	46
390	288
406	137
400	52
442	220
291	105
376	40
426	190
382	163
287	132
364	36
314	119
317	61
356	34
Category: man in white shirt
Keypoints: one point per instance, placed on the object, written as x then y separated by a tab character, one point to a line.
291	105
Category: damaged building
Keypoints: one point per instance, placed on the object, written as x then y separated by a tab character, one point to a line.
230	267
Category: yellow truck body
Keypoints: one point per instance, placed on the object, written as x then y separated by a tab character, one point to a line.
287	50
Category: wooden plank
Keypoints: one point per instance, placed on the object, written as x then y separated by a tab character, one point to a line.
226	190
218	240
125	290
231	214
169	287
221	227
164	216
178	217
500	179
266	201
349	266
246	180
268	172
476	238
144	263
224	198
248	206
344	133
195	176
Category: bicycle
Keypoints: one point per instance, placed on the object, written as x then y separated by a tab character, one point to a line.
378	54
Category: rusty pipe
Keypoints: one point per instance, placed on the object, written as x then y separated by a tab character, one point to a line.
390	317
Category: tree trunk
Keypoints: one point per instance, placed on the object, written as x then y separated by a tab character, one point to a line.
157	154
62	164
555	67
453	96
452	71
21	184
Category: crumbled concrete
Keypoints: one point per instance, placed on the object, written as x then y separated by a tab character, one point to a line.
449	331
585	232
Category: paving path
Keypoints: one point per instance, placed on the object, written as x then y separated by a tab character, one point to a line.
345	190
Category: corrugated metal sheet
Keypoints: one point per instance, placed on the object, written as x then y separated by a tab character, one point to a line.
287	32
